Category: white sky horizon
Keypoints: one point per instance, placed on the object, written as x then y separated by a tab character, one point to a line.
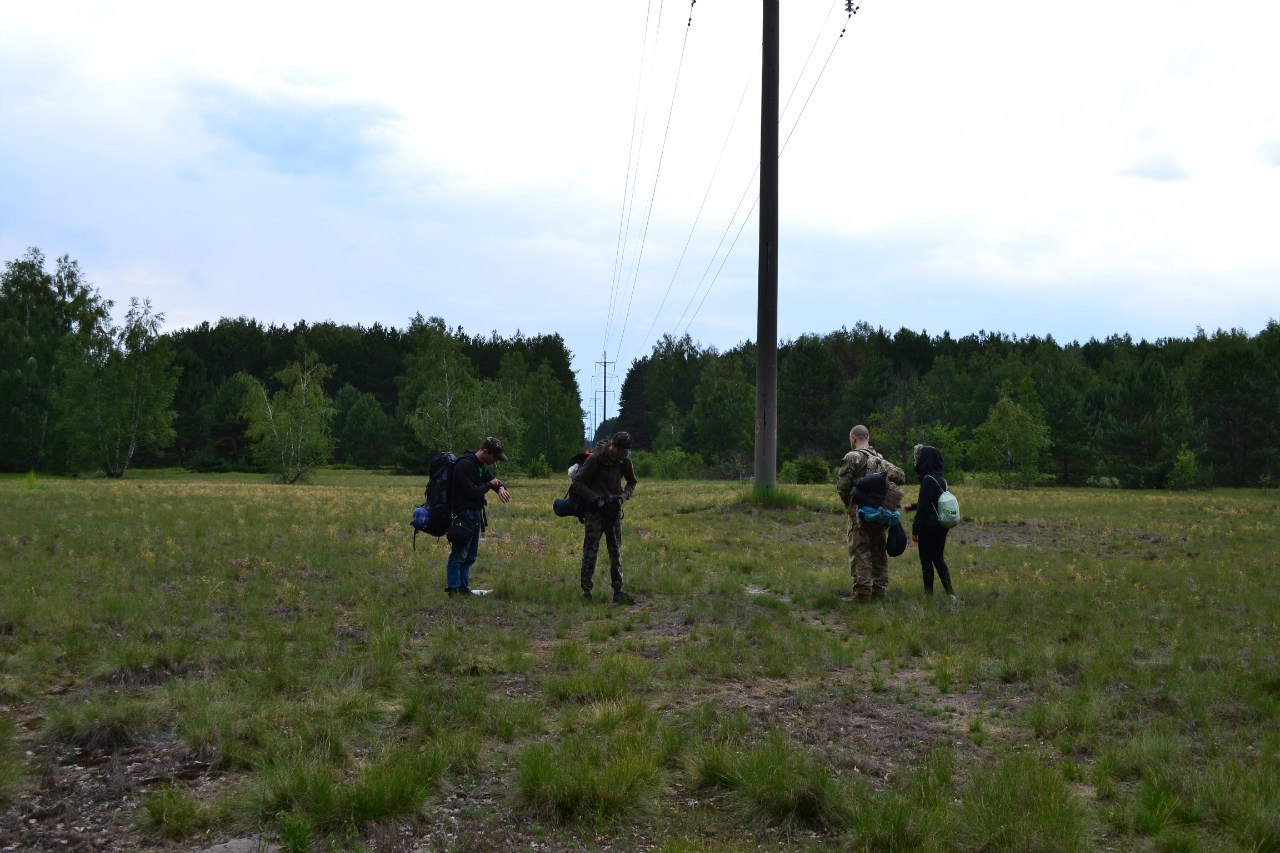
1016	167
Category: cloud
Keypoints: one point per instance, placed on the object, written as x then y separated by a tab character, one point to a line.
1271	153
293	135
1160	167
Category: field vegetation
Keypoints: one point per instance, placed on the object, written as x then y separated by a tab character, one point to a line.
189	659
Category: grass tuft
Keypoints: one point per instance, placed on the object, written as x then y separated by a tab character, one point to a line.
778	784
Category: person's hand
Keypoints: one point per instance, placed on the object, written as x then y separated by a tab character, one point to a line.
599	503
915	537
503	494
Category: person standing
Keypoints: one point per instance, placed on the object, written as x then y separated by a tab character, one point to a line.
470	481
868	561
927	530
599	482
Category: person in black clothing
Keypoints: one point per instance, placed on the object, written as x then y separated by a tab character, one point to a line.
926	531
470	481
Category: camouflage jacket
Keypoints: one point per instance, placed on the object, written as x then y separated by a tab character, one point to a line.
857	464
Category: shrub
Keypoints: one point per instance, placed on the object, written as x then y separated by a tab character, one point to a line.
538	469
811	469
667	465
1183	476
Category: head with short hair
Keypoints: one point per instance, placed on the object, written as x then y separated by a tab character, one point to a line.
859	436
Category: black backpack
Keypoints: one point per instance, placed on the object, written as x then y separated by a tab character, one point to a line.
434	515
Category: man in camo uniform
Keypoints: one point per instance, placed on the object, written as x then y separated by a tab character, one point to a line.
598	482
868	562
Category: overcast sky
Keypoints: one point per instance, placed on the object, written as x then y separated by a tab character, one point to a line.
1015	166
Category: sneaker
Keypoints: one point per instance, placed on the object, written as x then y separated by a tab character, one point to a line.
621	597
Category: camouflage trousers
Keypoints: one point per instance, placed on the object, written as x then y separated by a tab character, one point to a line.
868	562
609	524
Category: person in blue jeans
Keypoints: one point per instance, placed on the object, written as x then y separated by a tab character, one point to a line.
927	531
470	482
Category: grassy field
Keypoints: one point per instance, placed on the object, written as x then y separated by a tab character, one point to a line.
186	660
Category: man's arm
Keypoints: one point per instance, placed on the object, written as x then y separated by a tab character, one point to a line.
851	470
629	473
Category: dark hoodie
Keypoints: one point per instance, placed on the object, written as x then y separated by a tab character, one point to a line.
932	482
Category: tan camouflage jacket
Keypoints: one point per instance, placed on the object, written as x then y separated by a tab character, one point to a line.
857	464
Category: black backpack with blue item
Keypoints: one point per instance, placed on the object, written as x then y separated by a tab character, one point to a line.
434	515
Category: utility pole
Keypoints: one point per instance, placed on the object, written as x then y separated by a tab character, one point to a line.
604	401
766	461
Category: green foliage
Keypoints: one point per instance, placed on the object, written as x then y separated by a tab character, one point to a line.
1184	474
362	431
723	414
290	429
1146	421
595	777
446	405
809	382
811	469
11	767
47	321
173	812
667	465
118	393
321	669
778	784
1010	443
1019	803
538	469
108	723
551	417
296	832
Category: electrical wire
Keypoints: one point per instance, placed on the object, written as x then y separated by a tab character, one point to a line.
851	9
662	151
696	219
633	163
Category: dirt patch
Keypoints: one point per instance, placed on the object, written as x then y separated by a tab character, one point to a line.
90	800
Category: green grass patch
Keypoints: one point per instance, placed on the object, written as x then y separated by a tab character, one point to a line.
290	637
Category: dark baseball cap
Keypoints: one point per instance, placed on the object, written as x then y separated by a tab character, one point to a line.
494	446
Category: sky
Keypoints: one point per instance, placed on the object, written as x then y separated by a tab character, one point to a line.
590	168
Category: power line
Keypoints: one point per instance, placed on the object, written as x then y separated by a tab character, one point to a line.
696	219
851	9
662	151
633	160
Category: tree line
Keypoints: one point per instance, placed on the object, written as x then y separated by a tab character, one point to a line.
81	393
1171	413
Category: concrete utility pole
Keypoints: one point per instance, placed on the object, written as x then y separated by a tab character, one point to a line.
766	462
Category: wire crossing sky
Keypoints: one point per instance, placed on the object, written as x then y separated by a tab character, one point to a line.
1021	167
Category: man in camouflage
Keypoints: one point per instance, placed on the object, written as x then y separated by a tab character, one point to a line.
868	562
598	482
